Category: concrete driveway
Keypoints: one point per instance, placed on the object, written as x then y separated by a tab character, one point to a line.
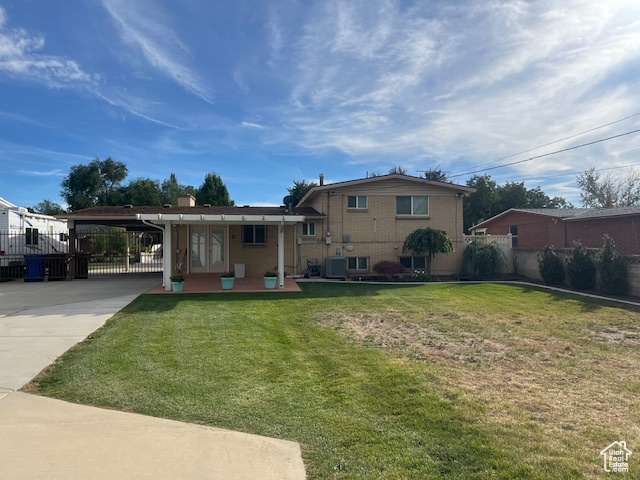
47	438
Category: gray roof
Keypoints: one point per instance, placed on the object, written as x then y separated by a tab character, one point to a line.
569	214
583	213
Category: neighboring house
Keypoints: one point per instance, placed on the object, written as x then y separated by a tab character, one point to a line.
538	227
364	220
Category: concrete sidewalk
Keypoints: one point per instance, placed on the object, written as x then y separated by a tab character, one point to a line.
46	438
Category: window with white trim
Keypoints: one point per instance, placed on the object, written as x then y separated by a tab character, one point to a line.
356	201
414	263
254	234
309	229
358	263
418	205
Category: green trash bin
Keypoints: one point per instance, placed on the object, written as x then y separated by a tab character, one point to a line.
56	266
82	265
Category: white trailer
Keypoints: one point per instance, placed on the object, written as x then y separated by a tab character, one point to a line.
23	233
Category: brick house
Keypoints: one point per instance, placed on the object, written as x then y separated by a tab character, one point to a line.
538	227
365	220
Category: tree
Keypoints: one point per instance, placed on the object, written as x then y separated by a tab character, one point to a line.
436	175
96	183
398	170
491	199
213	191
48	207
427	242
171	189
606	192
300	189
143	191
482	204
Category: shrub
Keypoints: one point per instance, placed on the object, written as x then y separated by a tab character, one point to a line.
428	242
482	261
614	273
551	267
581	269
388	269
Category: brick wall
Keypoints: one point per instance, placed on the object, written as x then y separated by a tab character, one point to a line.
625	232
534	231
378	233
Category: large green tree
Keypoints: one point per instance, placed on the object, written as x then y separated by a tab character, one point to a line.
490	199
427	242
171	189
213	191
96	183
143	191
48	207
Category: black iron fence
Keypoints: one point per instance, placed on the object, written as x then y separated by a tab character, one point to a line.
58	256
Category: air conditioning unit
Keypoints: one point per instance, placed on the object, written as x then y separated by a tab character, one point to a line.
335	267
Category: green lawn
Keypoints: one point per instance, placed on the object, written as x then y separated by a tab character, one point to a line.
435	381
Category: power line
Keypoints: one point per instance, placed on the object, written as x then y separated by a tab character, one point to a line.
546	154
578	173
557	141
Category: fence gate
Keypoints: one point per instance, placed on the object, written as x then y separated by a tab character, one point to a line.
116	251
35	256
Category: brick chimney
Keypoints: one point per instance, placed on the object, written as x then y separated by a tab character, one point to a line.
186	200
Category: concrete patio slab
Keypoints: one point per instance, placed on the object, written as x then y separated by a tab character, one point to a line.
47	438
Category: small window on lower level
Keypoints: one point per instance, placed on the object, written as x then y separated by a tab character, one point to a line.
413	263
309	229
358	263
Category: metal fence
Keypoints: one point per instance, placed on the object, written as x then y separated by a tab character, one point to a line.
116	251
34	256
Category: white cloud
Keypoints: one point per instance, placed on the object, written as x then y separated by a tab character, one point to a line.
49	173
20	57
463	83
140	26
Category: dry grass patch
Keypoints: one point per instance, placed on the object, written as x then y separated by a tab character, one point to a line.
566	369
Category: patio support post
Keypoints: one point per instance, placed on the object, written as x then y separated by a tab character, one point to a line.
281	255
127	250
166	256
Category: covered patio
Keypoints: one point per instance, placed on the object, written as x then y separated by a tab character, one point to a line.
210	283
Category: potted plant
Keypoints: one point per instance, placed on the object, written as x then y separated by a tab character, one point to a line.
227	280
177	283
270	279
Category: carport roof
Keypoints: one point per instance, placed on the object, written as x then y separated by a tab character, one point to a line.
131	217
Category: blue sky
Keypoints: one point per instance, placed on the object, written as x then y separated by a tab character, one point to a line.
264	93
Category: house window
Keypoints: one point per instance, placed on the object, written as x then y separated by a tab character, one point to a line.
31	237
412	205
513	230
358	263
414	263
309	229
356	201
254	234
